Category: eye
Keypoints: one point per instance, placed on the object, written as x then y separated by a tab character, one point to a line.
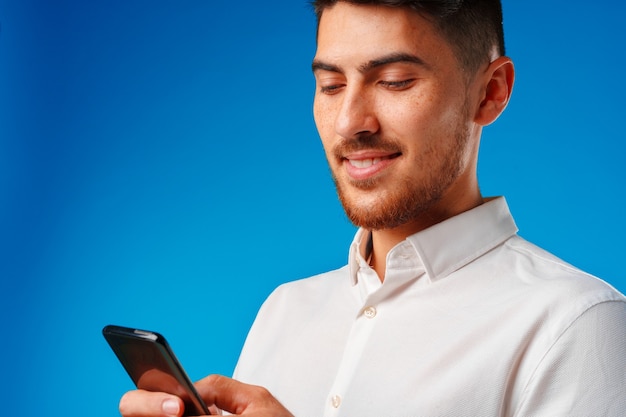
330	89
397	85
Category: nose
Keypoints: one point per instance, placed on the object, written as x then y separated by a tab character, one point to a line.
356	115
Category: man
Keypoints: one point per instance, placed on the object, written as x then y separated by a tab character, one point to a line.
442	309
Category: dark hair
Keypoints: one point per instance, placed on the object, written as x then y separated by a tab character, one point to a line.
472	27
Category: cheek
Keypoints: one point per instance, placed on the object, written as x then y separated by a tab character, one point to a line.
317	113
324	122
424	117
407	120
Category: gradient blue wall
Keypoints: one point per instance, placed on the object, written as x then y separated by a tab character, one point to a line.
158	158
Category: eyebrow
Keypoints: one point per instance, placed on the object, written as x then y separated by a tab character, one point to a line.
374	63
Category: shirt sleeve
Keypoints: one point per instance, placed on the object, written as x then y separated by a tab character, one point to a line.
584	372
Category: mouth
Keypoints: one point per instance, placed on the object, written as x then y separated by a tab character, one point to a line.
365	165
368	162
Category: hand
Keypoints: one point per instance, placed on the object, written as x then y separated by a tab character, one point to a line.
240	399
140	403
217	391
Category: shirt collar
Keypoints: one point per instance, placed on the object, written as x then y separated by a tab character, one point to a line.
451	244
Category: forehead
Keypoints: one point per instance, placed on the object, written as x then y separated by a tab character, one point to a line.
361	32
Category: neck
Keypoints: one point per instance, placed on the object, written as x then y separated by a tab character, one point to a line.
385	239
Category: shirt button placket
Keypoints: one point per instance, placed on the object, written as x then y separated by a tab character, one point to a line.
370	312
335	401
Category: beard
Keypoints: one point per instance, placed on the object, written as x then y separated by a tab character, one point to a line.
408	198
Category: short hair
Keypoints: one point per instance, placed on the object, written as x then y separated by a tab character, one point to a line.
472	27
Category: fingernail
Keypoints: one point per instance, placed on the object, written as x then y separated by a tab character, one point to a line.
171	407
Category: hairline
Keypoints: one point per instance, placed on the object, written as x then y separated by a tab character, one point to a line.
470	70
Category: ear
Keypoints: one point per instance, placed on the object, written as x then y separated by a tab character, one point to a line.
498	78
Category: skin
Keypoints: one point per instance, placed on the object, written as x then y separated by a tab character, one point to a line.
221	392
400	120
388	88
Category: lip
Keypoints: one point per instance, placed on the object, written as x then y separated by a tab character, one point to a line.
364	165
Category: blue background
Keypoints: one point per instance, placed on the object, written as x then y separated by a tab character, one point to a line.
157	160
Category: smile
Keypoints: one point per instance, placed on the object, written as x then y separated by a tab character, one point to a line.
364	166
366	163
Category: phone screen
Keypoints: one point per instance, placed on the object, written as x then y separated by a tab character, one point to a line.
151	364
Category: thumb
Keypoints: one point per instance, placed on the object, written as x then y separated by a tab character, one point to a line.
140	403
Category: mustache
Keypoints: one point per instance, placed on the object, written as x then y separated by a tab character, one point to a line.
366	142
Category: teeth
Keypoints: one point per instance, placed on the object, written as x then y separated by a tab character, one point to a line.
364	163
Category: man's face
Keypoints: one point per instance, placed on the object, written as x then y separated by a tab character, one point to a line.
393	109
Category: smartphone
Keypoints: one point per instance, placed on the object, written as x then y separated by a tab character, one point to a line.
152	365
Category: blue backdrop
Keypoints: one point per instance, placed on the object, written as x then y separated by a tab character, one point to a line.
158	158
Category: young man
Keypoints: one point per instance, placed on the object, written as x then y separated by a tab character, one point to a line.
442	309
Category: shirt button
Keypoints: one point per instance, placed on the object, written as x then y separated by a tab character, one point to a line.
336	401
370	312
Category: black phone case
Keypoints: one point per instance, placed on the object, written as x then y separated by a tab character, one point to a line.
152	365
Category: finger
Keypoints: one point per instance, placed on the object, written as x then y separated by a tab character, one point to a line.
213	411
239	398
217	388
228	394
140	403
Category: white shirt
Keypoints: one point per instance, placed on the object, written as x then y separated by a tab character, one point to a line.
471	320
